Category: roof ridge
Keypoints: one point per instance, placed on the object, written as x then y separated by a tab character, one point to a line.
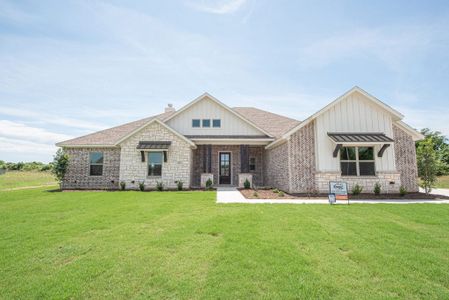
266	111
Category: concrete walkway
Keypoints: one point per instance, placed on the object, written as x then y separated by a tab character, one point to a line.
443	192
232	195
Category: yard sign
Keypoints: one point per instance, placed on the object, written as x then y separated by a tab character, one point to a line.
339	189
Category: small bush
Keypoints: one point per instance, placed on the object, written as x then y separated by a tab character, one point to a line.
377	188
159	186
256	194
275	191
179	184
247	184
122	185
142	186
402	191
357	189
209	184
281	194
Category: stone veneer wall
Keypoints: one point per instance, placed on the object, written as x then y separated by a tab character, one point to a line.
301	149
385	179
77	176
178	163
276	171
198	156
405	157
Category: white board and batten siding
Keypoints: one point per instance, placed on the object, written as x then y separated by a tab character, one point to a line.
208	109
355	113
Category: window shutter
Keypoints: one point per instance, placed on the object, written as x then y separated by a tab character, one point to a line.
142	154
165	156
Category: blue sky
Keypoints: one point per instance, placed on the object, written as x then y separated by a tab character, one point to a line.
68	68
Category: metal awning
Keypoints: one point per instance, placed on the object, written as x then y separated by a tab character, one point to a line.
365	137
162	145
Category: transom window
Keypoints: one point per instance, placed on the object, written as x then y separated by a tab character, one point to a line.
252	164
96	163
206	122
155	163
196	123
216	123
357	161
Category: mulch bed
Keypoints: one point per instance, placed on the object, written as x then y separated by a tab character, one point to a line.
269	194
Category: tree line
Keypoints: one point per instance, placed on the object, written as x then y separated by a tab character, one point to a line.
26	166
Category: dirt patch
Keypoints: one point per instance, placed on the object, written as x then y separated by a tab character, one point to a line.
265	194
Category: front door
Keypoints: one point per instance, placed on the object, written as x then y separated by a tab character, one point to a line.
225	168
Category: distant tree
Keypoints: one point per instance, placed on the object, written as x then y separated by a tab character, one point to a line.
60	163
441	147
427	164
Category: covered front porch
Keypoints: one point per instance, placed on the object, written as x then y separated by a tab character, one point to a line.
226	163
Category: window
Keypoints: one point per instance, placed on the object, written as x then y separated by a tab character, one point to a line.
196	123
96	163
155	163
206	122
252	164
357	161
216	123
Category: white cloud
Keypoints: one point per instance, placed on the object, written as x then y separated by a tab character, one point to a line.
218	7
14	146
24	132
51	119
433	118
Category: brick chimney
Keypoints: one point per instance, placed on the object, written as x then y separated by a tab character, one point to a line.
170	108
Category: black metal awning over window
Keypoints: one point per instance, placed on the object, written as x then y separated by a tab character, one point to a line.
366	137
162	145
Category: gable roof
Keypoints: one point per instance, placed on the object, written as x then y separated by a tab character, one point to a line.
275	124
110	137
396	115
210	97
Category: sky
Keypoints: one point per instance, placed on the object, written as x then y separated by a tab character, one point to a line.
69	68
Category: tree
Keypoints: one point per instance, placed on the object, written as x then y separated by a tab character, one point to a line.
441	147
60	163
427	164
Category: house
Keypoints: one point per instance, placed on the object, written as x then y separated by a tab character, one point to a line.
356	138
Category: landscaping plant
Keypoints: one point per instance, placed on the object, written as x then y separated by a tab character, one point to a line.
159	186
427	164
122	185
247	184
60	163
179	184
402	191
357	189
209	184
142	186
377	188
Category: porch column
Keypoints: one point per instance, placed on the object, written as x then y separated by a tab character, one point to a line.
244	158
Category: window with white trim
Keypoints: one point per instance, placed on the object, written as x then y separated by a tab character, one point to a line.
357	161
96	163
206	123
155	163
216	123
196	123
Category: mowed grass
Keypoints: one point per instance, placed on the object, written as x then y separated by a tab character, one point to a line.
183	245
17	179
443	182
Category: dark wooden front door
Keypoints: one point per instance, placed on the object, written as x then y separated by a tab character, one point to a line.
225	168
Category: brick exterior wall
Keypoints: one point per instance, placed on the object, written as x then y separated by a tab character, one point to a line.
405	158
254	151
276	171
301	149
176	168
77	176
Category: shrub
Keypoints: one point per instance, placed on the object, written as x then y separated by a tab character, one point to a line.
402	191
209	184
142	186
255	194
179	184
122	185
281	194
377	188
159	186
60	163
275	191
357	189
247	184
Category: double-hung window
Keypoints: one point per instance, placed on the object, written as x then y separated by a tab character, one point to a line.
155	163
96	163
357	161
252	164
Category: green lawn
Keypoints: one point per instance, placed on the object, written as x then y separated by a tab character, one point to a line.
16	179
183	245
443	182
